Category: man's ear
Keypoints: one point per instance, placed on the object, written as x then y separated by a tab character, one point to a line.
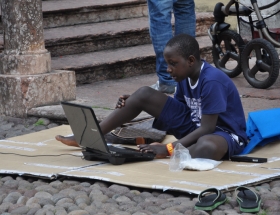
191	59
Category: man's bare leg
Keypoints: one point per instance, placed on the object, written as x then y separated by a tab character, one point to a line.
209	146
144	99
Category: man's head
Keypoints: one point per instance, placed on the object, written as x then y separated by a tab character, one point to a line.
185	45
182	56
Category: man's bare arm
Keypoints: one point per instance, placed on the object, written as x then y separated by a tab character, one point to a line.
208	126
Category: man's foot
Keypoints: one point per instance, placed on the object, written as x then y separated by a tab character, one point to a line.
169	89
69	141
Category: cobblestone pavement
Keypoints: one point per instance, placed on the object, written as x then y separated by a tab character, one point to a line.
29	195
11	126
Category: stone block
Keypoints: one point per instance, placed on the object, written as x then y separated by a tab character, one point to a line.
19	93
25	64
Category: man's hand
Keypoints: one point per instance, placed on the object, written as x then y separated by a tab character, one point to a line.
121	101
157	148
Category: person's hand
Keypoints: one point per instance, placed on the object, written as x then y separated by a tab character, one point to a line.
157	148
121	101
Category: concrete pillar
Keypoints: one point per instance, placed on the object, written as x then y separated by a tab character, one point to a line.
26	79
24	47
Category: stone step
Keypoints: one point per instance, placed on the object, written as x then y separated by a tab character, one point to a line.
120	63
73	12
106	35
97	36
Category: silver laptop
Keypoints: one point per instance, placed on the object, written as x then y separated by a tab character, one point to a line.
88	135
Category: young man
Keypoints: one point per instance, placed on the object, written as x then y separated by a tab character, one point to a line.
205	115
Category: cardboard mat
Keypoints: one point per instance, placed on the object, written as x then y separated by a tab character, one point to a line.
39	154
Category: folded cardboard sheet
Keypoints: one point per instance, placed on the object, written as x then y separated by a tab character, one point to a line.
39	154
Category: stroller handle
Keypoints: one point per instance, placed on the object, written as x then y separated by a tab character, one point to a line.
228	10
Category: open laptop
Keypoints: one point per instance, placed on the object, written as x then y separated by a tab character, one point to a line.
88	135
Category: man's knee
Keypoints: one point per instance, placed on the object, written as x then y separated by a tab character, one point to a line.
205	144
143	93
211	146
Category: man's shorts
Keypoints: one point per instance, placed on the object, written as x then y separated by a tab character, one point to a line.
175	118
235	145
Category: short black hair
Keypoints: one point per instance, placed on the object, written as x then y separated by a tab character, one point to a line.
186	45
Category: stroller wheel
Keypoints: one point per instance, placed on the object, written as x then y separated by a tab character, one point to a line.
260	63
231	45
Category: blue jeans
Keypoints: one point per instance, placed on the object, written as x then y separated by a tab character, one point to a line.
160	12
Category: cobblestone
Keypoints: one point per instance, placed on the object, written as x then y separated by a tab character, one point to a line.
42	196
11	126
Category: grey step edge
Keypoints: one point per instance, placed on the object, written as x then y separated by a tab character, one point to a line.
58	13
73	12
117	63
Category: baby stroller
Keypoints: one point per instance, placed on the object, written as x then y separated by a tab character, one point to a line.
257	58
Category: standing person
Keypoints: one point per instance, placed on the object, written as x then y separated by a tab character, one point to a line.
160	12
205	115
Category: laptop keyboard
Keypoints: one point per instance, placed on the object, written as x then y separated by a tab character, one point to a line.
123	150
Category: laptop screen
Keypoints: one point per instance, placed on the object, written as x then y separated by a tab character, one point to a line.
85	126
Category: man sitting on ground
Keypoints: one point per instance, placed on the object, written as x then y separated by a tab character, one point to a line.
205	115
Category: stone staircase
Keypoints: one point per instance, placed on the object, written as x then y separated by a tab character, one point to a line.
105	39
